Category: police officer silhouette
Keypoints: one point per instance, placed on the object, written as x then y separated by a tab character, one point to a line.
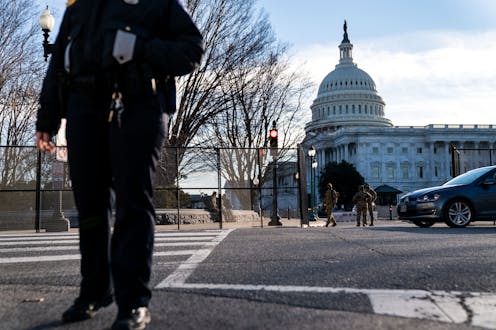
112	76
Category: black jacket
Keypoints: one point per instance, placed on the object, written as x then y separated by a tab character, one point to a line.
168	44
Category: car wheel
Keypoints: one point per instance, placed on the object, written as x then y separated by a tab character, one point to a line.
423	223
458	214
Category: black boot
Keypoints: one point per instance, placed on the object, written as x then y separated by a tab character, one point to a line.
83	309
137	319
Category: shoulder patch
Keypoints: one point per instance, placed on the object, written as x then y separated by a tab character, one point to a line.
70	2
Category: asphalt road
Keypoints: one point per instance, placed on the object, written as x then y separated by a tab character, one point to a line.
391	276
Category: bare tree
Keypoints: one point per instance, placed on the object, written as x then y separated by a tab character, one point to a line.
21	69
242	85
255	98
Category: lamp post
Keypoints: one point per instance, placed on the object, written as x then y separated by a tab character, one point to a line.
314	169
46	23
273	135
311	154
58	222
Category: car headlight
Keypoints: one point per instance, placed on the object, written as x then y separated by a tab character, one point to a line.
428	198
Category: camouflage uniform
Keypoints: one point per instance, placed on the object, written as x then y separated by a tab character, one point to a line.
331	198
361	199
371	202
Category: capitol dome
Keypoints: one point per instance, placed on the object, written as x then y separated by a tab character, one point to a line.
347	97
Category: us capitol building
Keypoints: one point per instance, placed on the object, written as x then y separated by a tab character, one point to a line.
349	123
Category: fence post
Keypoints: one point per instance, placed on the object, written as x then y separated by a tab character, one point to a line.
260	186
178	201
38	193
219	187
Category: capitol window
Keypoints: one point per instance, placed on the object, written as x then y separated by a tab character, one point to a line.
375	171
420	171
390	172
404	171
390	150
404	150
375	150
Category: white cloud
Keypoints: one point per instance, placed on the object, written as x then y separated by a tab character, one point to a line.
424	78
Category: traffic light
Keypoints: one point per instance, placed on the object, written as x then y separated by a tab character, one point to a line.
273	138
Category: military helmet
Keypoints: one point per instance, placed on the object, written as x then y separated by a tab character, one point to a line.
329	185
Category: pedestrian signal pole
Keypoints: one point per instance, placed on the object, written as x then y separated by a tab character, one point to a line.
274	219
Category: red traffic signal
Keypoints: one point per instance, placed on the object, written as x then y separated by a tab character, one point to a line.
273	138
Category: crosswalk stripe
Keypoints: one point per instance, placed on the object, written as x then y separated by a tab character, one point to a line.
69	242
212	233
72	241
178	234
186	244
62	257
35	238
37	235
40	249
177	239
65	257
76	247
173	253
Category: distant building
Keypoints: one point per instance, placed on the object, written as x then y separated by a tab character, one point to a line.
348	123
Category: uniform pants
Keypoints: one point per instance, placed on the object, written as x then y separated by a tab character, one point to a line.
361	213
105	157
370	208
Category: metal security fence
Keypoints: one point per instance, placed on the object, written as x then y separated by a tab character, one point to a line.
194	186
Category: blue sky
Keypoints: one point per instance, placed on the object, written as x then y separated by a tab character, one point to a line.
433	61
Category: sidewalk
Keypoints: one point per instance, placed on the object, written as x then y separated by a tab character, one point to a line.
286	223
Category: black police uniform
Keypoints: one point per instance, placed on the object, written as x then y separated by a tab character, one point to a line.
116	145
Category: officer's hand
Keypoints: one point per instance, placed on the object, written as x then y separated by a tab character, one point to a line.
44	142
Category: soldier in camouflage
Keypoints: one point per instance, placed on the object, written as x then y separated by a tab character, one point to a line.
361	199
331	198
371	202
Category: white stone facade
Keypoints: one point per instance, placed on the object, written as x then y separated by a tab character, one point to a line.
349	123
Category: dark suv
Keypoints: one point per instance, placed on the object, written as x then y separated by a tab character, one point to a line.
468	197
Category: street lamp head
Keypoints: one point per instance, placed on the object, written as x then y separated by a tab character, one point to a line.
255	181
46	20
314	164
312	151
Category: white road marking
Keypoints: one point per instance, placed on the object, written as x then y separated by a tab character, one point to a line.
29	243
189	234
185	244
40	249
35	238
37	235
64	257
450	307
178	239
46	242
14	260
73	241
186	268
174	253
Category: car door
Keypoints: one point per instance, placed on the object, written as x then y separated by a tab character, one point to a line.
485	196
